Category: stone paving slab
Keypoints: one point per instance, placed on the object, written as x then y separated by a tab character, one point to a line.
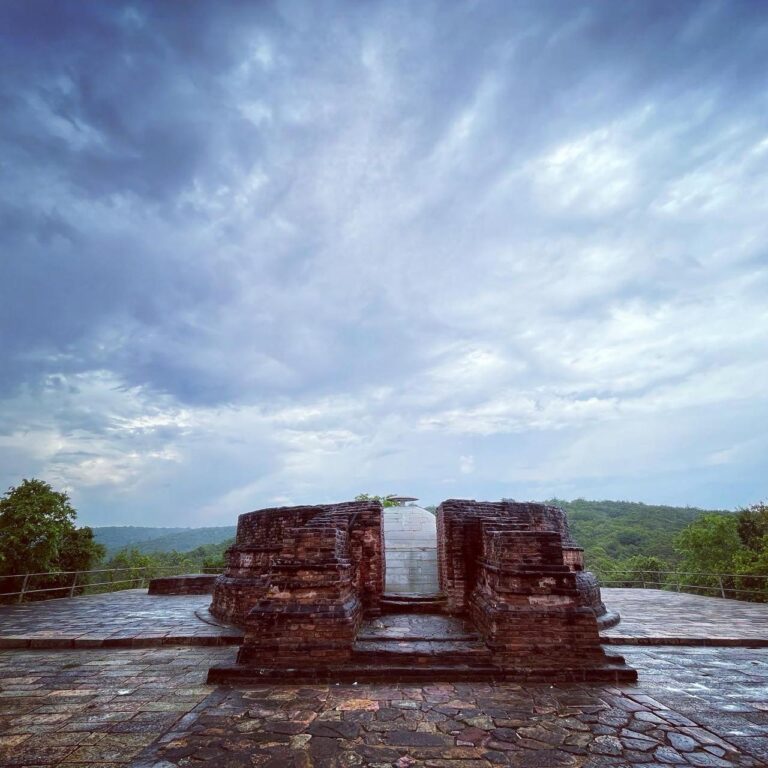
656	617
149	708
410	626
132	618
129	618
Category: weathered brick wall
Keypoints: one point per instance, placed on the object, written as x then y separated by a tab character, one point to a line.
573	557
299	579
526	602
310	611
258	543
459	545
186	584
367	556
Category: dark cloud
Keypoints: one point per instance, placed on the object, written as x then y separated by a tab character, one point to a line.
384	235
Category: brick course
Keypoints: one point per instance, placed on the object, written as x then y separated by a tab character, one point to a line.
186	584
300	579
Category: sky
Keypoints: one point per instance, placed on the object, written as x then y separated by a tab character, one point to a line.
255	254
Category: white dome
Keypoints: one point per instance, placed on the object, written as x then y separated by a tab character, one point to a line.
410	550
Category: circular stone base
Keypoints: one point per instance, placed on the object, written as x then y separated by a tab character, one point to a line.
608	619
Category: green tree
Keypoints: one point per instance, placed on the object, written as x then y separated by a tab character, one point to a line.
709	544
385	500
710	547
38	535
753	526
751	562
131	557
638	571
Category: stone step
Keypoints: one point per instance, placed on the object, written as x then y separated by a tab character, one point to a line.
412	603
409	597
356	672
364	637
421	652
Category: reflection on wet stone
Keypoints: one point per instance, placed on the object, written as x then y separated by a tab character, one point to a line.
148	707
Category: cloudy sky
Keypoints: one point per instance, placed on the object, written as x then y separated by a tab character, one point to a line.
286	252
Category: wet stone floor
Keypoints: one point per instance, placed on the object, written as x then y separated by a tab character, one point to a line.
404	626
132	618
150	707
657	616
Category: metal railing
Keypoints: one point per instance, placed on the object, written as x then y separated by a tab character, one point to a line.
739	586
71	583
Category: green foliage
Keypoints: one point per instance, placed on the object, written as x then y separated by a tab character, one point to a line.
753	527
734	547
637	571
38	534
80	550
37	531
132	567
612	531
385	500
115	538
709	544
130	558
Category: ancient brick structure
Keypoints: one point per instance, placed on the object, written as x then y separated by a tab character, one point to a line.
513	568
186	584
464	526
301	580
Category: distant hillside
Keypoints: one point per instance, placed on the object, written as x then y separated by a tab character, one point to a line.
608	531
147	540
621	529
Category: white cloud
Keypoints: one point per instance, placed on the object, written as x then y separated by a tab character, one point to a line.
466	465
593	174
296	266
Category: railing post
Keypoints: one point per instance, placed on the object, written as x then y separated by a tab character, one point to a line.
722	590
23	587
74	584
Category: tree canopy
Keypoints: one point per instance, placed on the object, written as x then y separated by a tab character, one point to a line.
38	532
386	501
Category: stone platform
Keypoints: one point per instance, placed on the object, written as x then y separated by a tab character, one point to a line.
129	618
301	580
150	708
656	617
414	647
134	618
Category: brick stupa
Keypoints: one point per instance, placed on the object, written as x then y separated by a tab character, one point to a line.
303	580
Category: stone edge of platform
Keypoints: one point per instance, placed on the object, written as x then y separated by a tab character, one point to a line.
64	643
248	675
714	642
48	643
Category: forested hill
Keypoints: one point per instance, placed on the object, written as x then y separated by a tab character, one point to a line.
148	540
608	531
616	530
